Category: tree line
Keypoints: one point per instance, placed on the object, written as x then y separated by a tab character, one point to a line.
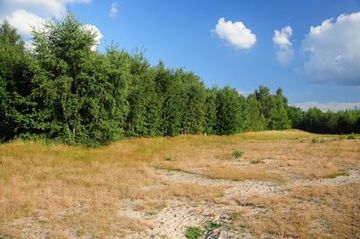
61	89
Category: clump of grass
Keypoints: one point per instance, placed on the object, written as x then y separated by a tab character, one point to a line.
351	136
237	153
193	232
210	226
317	140
256	161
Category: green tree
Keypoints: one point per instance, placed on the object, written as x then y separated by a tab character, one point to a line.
193	103
255	120
17	110
278	116
145	106
169	88
210	110
228	115
81	92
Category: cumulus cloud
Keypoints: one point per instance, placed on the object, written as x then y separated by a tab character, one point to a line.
333	106
96	33
25	15
25	21
281	39
334	50
235	33
113	10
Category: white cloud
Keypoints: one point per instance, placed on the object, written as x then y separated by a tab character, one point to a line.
114	10
281	39
25	21
97	35
334	50
333	106
235	33
26	14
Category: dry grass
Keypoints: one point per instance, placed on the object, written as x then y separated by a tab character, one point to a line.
316	211
246	173
45	188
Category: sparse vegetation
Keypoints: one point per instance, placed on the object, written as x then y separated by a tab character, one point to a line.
256	161
209	226
318	140
193	232
237	153
337	174
48	187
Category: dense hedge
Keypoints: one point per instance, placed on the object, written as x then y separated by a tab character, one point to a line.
61	89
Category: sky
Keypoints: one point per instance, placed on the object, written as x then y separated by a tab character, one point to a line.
309	48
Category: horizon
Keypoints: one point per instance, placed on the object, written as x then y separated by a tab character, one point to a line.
237	44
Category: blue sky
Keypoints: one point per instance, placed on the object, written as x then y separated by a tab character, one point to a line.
182	34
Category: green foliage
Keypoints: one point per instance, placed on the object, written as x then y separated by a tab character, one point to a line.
210	226
17	108
193	232
255	120
144	117
342	122
210	111
64	90
227	111
82	93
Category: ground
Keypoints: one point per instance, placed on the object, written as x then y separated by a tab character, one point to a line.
273	184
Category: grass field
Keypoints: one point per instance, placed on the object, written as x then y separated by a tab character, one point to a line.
276	184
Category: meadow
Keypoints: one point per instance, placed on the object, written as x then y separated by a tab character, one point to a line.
270	184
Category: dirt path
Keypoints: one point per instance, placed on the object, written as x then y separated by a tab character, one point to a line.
173	220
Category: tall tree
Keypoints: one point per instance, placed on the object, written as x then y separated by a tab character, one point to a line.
227	111
145	106
169	88
192	108
78	87
17	110
210	110
255	120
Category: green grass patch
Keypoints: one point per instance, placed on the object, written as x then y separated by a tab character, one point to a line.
210	226
193	232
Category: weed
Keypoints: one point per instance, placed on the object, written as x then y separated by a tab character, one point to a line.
210	226
237	153
193	232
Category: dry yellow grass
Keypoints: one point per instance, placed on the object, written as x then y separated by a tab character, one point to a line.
300	214
56	186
